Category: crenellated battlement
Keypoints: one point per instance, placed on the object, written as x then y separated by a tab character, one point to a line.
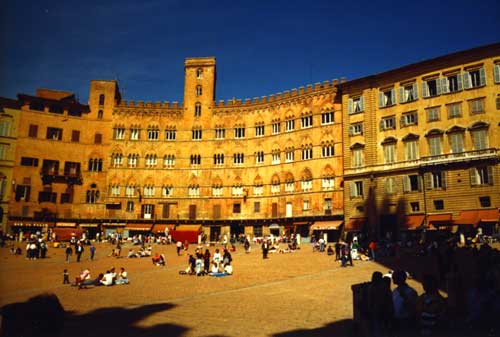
279	96
150	105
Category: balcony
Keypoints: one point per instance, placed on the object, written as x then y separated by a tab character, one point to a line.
462	157
491	154
52	176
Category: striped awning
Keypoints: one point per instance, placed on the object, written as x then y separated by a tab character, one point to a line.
327	225
88	225
139	227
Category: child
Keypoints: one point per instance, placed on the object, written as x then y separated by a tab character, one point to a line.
65	277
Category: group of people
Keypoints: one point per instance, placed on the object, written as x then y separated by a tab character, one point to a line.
78	250
141	252
201	264
109	278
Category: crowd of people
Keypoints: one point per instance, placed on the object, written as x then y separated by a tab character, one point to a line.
109	278
203	263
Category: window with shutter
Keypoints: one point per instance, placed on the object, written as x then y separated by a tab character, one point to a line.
496	73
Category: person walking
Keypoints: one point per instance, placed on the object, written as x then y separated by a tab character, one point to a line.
69	252
79	251
92	251
265	248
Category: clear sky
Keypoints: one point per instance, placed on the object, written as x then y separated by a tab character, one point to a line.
262	47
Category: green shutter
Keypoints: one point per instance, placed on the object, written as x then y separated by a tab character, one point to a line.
352	189
443	179
438	86
428	180
381	100
482	77
473	176
401	95
459	80
425	89
393	96
490	175
362	103
415	91
419	182
406	184
496	72
349	106
467	80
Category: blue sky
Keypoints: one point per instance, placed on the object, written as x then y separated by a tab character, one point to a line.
262	47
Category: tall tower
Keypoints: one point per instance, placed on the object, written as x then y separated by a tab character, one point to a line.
199	88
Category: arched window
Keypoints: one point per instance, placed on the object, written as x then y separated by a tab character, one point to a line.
100	114
197	109
199	73
198	90
92	194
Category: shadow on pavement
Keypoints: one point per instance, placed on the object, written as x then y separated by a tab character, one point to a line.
44	315
343	328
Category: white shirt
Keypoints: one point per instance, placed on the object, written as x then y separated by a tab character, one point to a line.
228	269
107	279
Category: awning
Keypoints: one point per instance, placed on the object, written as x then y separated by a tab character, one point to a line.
326	225
196	228
114	224
30	224
274	226
439	219
65	224
355	224
140	227
187	233
413	222
474	217
301	223
160	228
88	225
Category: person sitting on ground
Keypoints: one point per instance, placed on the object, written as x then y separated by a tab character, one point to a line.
131	254
228	269
329	250
113	274
198	269
107	279
226	257
122	277
215	268
84	275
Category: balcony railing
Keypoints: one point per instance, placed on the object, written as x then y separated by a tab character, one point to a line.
450	158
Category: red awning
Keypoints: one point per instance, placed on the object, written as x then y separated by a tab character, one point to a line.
140	227
160	228
474	217
439	219
186	233
326	225
412	222
355	224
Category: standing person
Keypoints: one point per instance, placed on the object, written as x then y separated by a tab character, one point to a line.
206	260
247	246
431	308
337	250
178	246
217	257
404	300
79	251
372	246
92	251
69	252
118	248
265	248
65	277
43	249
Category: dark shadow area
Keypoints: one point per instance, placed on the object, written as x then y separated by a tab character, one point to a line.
344	328
44	315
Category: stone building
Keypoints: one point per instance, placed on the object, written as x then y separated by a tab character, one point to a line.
421	145
411	148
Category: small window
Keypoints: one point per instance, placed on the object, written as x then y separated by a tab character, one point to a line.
357	158
388	123
259	131
259	157
256	207
454	110
412	183
170	134
101	99
220	133
496	72
476	106
451	83
327	117
54	133
276	128
199	73
27	161
474	78
239	132
356	189
289	125
197	110
498	102
431	87
433	114
196	134
355	105
236	208
153	133
98	138
130	206
33	131
306	121
415	206
409	118
408	93
481	175
198	91
356	129
386	98
100	114
438	205
485	201
75	136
